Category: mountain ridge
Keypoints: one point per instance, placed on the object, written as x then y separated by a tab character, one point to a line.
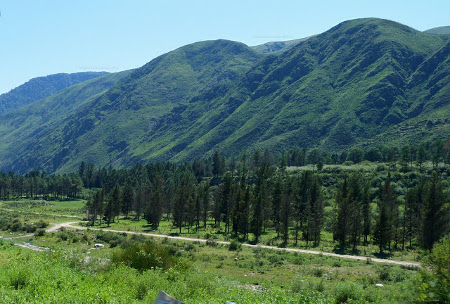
336	90
42	87
442	30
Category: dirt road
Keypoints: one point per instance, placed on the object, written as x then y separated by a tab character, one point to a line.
343	256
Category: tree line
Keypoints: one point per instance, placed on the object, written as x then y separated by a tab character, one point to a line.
36	184
247	197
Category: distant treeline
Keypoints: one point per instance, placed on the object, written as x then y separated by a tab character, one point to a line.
36	184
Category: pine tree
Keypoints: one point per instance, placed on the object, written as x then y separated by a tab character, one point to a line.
154	207
260	196
112	207
301	203
383	231
435	220
227	199
276	204
127	200
341	228
285	210
315	211
204	195
366	213
421	156
356	212
183	196
218	164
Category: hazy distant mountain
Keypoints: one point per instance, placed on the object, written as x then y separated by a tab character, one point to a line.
41	87
363	82
439	30
277	46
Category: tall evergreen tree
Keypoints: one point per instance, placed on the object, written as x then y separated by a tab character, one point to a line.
154	207
435	219
276	204
227	199
341	228
366	213
182	198
112	207
421	156
218	164
300	203
383	231
285	210
261	193
127	200
315	211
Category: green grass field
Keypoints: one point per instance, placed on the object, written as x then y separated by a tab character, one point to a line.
75	272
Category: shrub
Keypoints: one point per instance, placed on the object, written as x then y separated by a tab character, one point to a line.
434	277
384	273
317	272
211	243
142	256
39	232
29	228
234	245
16	225
276	259
41	224
63	235
19	280
346	292
298	285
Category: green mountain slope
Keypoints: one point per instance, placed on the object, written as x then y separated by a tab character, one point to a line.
335	90
20	130
439	30
363	82
103	130
41	87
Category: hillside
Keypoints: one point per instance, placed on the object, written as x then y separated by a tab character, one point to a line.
439	30
103	130
41	87
363	82
336	90
20	129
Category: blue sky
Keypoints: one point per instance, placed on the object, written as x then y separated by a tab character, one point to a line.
45	37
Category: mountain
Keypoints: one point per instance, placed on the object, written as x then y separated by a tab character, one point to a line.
333	91
439	30
277	46
41	87
103	129
364	82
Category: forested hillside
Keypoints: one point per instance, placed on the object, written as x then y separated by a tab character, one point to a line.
365	82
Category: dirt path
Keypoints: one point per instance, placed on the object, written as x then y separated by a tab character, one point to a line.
343	256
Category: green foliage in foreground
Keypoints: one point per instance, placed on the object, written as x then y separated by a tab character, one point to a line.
435	285
37	278
148	255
